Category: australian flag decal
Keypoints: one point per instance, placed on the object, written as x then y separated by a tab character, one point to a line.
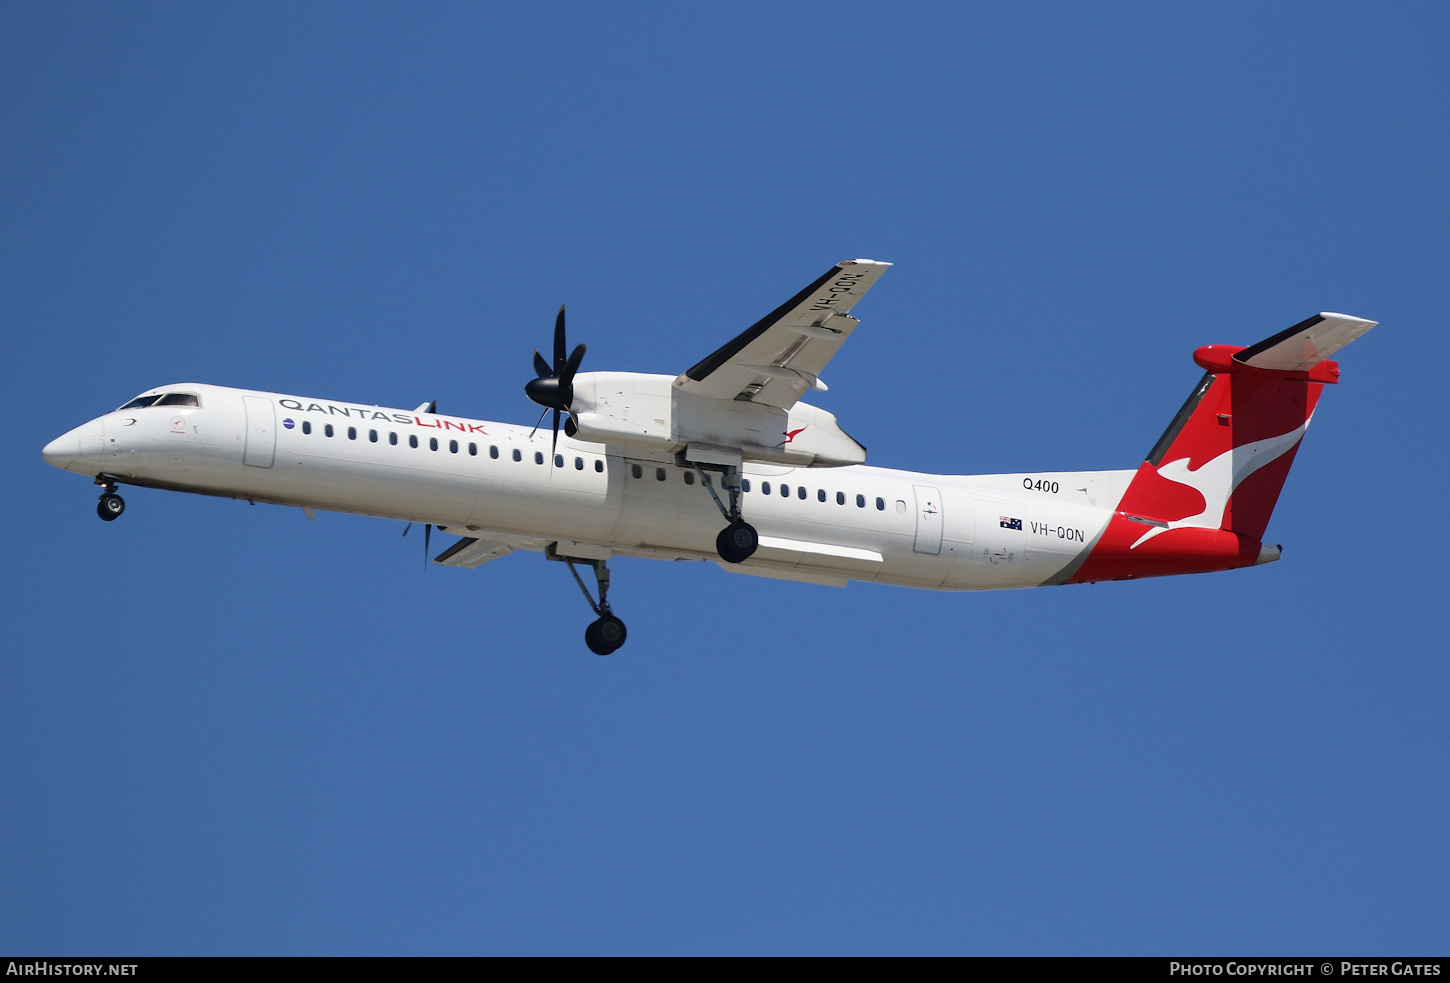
1010	523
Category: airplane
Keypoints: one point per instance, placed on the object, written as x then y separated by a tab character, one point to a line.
671	468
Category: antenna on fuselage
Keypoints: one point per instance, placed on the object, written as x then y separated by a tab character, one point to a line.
427	537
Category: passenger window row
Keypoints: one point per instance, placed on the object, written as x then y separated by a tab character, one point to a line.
801	493
328	430
637	471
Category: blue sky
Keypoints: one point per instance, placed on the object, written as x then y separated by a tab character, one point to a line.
230	730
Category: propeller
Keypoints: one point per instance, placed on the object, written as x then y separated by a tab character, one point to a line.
427	537
554	388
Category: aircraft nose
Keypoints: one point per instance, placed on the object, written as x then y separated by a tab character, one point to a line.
85	440
62	450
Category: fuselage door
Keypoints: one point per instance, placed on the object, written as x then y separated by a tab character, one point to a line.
261	432
928	520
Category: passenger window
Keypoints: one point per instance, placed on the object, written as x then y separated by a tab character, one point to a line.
636	470
785	491
373	436
558	460
139	402
327	430
472	449
493	451
432	443
352	433
453	447
659	474
599	466
306	426
900	507
178	399
745	484
538	457
860	501
820	494
393	438
881	505
800	493
412	440
517	455
765	488
578	464
840	498
689	477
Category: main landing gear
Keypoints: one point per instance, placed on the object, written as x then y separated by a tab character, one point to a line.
111	505
738	540
607	633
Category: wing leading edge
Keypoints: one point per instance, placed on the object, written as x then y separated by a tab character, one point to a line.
777	359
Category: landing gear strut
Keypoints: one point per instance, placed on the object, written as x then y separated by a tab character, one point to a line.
607	633
111	505
738	540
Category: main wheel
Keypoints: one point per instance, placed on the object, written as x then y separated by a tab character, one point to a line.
605	635
736	542
110	506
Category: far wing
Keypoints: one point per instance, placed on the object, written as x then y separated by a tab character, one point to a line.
781	356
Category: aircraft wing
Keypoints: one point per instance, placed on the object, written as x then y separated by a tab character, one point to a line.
777	359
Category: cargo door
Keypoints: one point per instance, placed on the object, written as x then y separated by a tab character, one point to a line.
928	520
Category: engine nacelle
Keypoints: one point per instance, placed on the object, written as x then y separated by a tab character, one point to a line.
634	409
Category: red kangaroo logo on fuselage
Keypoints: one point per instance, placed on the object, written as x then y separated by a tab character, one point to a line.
789	436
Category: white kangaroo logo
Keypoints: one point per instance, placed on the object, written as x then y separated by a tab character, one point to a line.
1217	480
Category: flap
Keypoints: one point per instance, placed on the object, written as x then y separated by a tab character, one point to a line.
472	552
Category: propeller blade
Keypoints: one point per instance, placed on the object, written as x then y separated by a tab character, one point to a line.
541	366
559	344
406	528
533	431
556	438
572	366
427	537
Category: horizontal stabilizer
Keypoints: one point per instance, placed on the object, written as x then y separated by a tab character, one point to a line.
472	553
1306	344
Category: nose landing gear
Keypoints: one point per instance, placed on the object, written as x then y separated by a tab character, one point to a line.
607	633
111	505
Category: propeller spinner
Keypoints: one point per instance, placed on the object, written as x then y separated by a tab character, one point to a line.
554	388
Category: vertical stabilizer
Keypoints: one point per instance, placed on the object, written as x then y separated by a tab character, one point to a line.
1203	497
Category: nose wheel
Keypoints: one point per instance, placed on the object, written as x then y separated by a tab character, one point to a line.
111	505
607	633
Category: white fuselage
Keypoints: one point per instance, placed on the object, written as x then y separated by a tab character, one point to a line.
496	481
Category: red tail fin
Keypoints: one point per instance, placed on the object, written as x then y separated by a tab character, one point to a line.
1202	499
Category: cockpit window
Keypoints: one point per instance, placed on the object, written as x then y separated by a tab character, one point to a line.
140	401
179	399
